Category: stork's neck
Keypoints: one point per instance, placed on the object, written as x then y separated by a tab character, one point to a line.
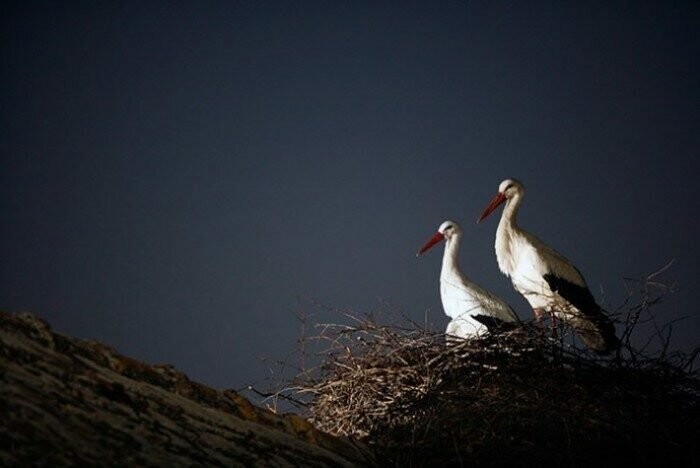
510	212
450	259
507	231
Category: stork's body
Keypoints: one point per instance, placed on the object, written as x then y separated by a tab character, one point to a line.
473	310
548	281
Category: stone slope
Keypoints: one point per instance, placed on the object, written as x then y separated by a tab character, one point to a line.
66	401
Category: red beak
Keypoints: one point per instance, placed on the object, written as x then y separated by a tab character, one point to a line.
495	202
433	240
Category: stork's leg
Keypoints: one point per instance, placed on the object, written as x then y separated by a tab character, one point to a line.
538	314
538	322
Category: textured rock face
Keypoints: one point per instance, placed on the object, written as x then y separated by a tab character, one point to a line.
66	401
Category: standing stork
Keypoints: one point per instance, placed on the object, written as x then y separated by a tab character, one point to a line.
548	281
473	310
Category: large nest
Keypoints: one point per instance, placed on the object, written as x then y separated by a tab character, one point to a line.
518	397
510	399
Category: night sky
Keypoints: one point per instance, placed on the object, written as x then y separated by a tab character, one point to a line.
181	179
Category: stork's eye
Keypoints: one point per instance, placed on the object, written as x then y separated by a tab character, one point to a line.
508	186
448	227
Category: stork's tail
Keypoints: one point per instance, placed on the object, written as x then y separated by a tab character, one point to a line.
597	332
590	323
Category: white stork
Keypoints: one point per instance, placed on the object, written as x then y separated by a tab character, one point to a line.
548	281
473	310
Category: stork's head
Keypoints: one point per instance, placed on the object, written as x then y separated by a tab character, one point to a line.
447	230
507	190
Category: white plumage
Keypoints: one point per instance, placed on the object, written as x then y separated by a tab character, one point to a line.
548	281
473	309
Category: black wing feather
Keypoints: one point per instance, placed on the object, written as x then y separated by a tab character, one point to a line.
493	324
579	296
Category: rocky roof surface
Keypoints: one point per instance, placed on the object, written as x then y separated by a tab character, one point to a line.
69	401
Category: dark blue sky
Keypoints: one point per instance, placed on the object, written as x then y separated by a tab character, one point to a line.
176	174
